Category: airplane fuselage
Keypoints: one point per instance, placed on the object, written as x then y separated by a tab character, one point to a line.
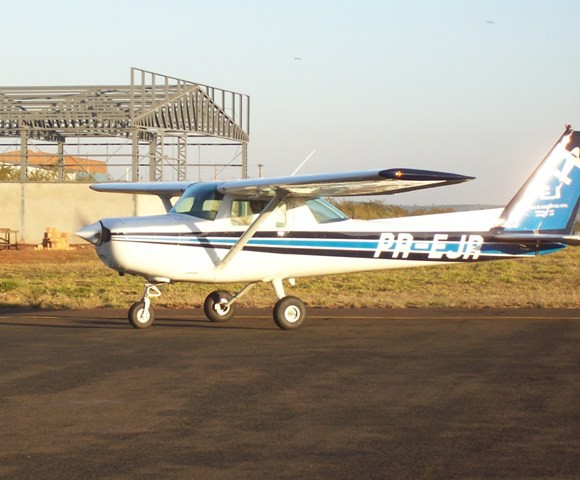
176	247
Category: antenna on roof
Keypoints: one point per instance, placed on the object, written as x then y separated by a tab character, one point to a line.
303	162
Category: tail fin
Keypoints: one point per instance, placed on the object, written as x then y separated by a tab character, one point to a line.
548	202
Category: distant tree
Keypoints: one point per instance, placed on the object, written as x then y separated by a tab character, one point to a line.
369	210
42	175
431	210
9	174
12	174
376	209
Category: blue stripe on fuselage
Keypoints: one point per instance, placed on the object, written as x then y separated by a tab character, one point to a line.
391	245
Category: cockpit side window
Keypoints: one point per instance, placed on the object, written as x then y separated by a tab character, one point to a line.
200	200
325	212
244	211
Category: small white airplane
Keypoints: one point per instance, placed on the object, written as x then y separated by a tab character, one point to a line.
278	229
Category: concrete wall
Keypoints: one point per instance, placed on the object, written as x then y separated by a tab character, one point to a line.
32	207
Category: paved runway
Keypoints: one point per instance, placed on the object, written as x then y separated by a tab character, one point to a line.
365	394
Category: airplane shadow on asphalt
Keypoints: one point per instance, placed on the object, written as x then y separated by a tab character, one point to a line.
113	324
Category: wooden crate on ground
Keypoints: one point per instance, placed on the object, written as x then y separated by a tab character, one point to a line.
54	239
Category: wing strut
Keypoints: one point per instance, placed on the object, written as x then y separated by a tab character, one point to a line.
253	228
166	199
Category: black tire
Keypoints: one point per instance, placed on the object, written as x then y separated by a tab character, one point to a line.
213	309
289	313
137	317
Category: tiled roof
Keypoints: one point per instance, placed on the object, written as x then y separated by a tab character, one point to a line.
50	160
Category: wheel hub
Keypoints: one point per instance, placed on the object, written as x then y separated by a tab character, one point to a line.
221	309
292	314
143	316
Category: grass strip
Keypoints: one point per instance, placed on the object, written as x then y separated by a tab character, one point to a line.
77	279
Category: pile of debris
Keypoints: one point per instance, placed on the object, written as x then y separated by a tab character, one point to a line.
55	240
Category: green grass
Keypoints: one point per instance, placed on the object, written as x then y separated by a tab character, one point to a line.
77	279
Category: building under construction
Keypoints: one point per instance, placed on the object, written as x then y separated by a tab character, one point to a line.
142	131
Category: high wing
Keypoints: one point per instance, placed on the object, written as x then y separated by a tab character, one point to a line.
370	182
166	189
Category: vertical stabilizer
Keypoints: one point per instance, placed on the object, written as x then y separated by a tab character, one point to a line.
548	202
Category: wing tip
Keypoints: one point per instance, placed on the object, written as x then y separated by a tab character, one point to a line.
423	175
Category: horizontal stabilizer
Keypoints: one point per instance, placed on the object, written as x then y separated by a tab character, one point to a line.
572	240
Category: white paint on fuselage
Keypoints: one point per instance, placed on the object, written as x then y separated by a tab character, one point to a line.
156	261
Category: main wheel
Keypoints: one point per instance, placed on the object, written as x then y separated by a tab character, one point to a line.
214	308
140	318
289	313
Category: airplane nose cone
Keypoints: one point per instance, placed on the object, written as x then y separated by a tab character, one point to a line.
92	233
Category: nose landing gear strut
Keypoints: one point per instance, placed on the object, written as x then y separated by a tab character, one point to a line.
141	313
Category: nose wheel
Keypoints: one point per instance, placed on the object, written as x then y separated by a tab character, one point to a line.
141	316
141	313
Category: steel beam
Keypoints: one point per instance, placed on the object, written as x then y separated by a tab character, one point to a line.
135	155
60	161
23	154
152	102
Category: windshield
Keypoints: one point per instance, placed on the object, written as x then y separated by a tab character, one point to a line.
201	200
325	212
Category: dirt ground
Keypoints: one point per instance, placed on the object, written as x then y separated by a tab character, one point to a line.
27	254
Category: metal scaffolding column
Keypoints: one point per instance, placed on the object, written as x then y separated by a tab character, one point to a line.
152	159
23	153
135	155
181	161
60	161
159	158
244	159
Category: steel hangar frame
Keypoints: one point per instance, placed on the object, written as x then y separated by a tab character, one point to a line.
154	110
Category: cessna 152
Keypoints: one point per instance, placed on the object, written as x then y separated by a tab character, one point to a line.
278	229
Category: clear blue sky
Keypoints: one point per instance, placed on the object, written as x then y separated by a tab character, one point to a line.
477	87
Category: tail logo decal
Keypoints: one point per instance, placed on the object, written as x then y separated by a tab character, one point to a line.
550	197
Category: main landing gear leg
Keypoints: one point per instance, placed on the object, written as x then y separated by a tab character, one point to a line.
289	312
141	313
220	306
